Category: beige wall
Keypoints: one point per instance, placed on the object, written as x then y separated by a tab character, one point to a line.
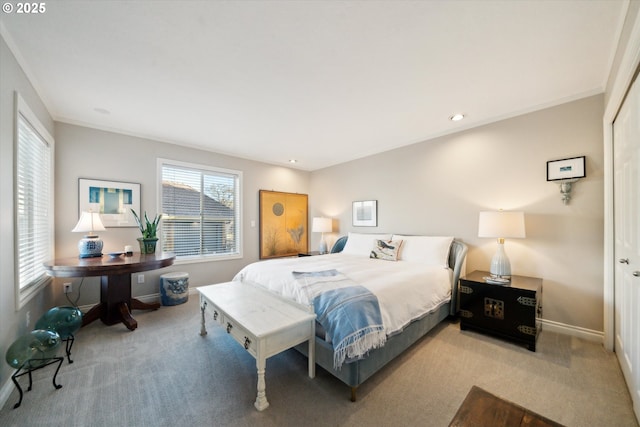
89	153
438	187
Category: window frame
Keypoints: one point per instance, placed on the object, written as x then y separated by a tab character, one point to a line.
239	228
24	293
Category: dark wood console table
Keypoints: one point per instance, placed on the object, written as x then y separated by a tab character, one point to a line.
116	302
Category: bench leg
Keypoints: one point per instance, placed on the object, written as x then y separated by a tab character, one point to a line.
312	356
261	400
203	329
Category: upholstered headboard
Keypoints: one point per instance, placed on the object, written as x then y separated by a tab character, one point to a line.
457	262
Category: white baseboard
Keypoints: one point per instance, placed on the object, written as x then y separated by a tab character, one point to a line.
5	391
574	331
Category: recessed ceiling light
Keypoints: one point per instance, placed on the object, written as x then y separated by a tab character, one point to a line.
293	161
456	117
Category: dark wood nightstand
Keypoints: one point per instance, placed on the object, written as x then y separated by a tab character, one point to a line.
508	311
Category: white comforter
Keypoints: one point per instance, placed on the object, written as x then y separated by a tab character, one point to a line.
405	290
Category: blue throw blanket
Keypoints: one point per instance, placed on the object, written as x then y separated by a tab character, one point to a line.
351	316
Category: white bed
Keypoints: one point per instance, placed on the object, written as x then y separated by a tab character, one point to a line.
415	286
428	285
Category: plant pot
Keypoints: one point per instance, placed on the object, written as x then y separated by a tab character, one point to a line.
147	246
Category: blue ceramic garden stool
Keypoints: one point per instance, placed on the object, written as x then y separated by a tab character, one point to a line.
34	351
174	288
66	321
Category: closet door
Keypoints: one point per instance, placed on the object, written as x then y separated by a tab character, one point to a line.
626	152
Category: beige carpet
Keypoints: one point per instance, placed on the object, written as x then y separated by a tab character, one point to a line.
165	374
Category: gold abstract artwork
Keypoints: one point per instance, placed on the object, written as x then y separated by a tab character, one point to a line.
284	227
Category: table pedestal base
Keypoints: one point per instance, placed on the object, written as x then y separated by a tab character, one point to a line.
116	303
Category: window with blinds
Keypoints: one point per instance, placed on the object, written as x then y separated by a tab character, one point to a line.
201	211
34	202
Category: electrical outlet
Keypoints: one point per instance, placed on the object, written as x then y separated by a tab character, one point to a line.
28	318
67	288
140	278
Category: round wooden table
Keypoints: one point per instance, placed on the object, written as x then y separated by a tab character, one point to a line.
116	302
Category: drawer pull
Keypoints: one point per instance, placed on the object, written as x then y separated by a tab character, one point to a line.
494	308
215	315
466	290
229	326
531	302
247	342
527	330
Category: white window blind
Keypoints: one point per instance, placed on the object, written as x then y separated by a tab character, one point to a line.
34	202
201	211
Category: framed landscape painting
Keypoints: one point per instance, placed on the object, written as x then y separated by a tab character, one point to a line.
113	200
284	227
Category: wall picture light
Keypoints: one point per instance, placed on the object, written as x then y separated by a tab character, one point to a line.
566	172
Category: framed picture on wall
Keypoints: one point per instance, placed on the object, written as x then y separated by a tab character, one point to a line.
566	169
365	213
113	200
284	227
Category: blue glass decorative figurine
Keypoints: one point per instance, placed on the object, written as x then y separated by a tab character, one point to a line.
33	351
66	321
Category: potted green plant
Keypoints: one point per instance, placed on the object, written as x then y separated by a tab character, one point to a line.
149	230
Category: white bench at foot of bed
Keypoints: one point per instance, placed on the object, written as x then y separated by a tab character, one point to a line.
261	322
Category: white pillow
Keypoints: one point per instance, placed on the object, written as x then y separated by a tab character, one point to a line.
361	244
430	250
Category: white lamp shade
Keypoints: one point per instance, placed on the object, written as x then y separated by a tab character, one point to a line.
501	224
321	225
89	222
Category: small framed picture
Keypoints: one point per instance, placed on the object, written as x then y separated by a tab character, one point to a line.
365	213
566	169
113	200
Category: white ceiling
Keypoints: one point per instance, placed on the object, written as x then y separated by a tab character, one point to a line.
323	82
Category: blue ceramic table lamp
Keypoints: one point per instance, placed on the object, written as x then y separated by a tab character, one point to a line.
90	245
